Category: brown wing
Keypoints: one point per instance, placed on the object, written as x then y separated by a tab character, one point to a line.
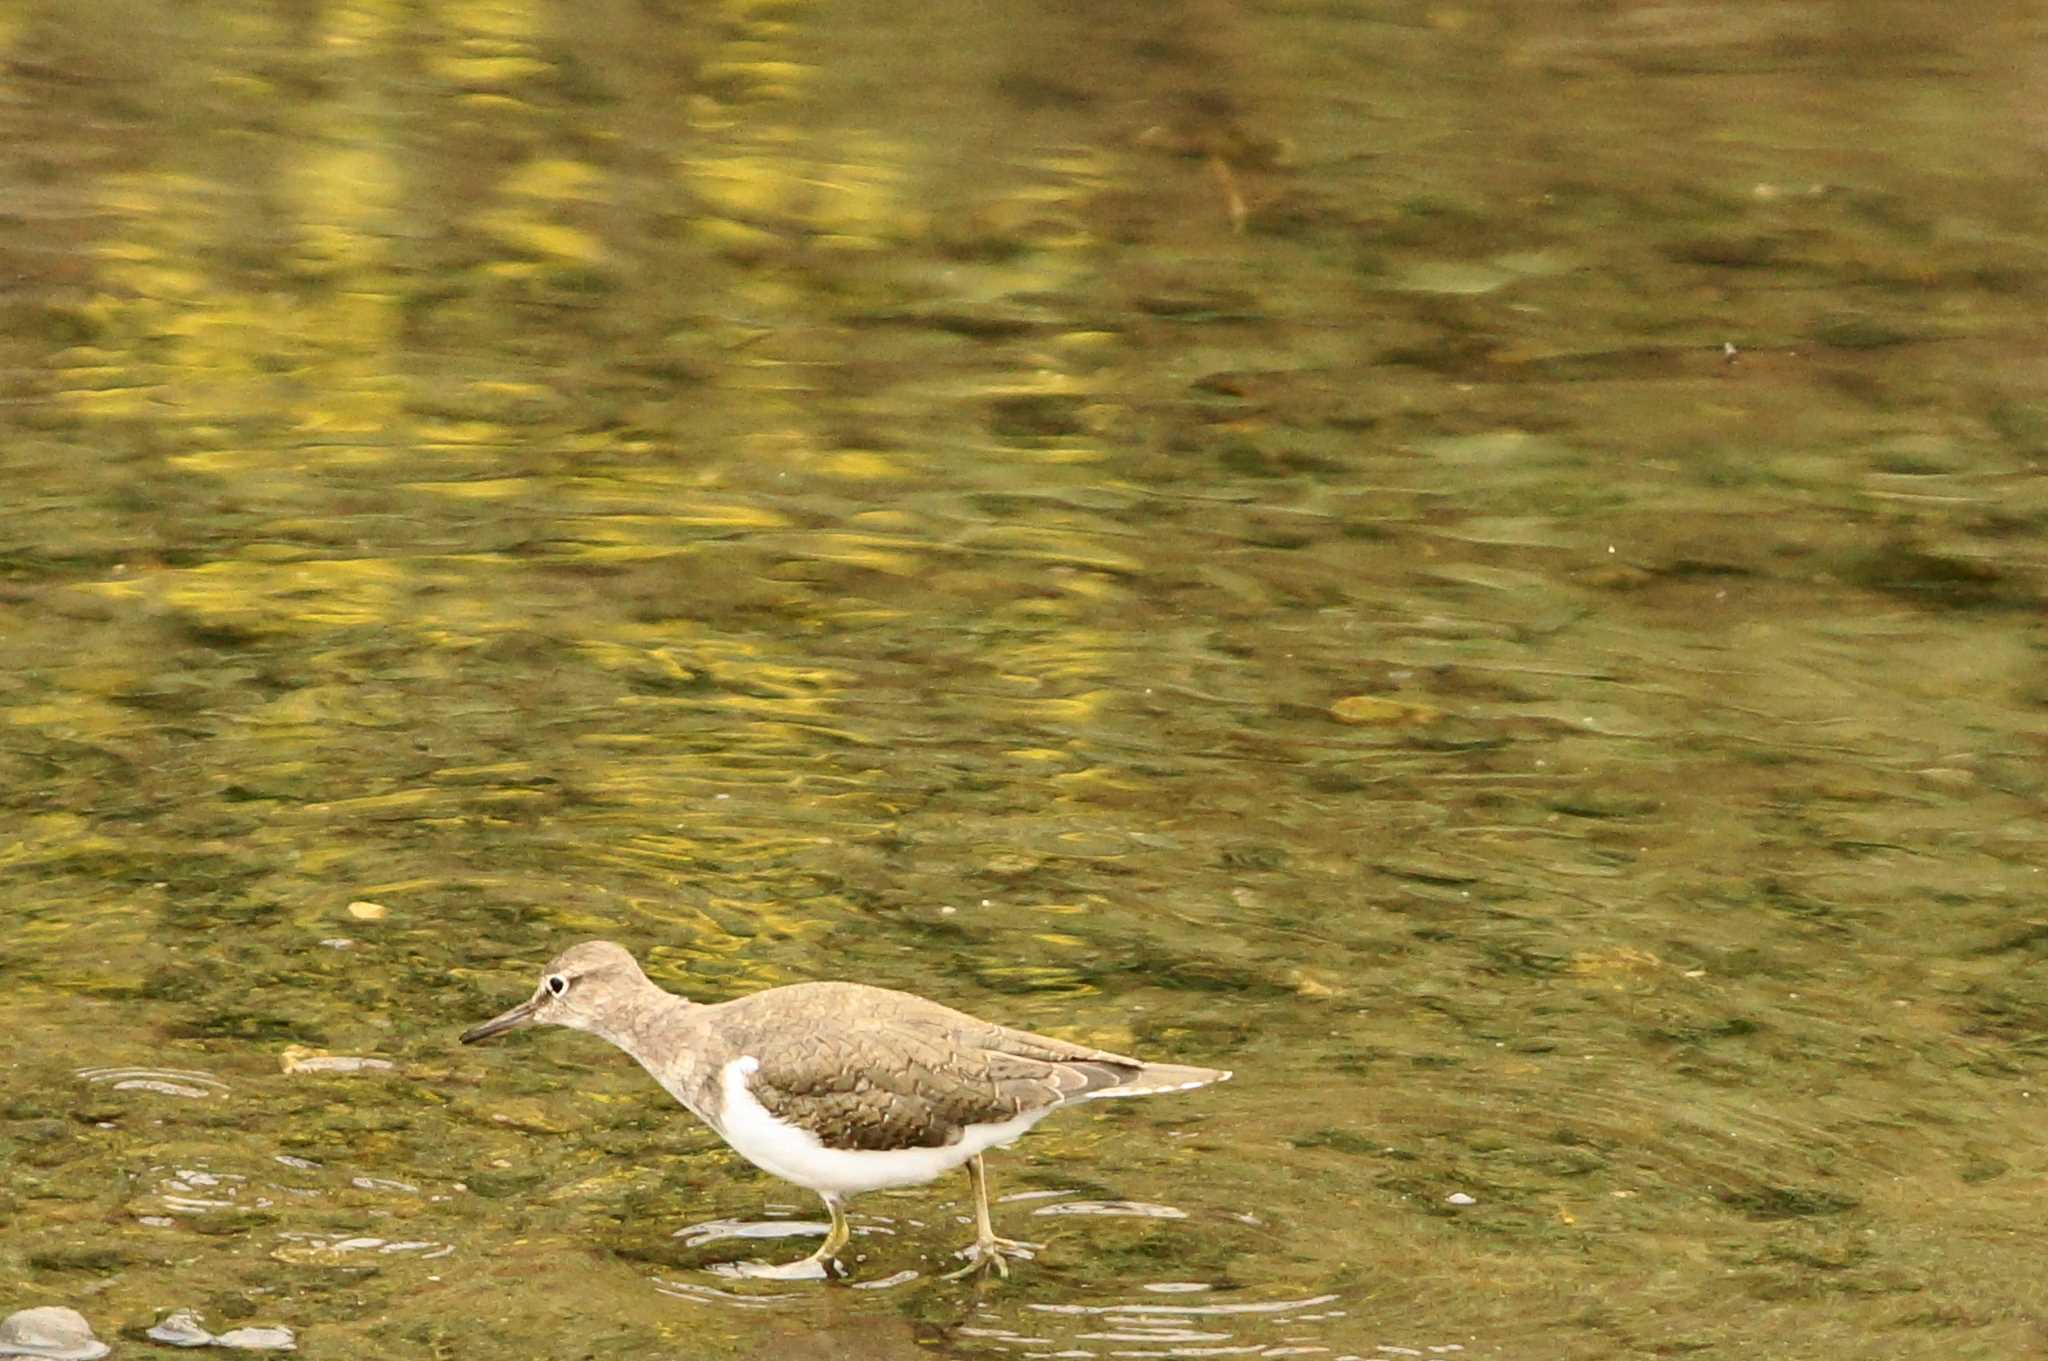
868	1068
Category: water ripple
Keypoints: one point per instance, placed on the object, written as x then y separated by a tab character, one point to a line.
163	1081
1135	1209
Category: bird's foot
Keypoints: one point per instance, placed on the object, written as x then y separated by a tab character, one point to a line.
812	1268
984	1253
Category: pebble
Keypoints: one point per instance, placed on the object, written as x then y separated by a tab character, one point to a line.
296	1058
183	1329
258	1339
53	1332
180	1330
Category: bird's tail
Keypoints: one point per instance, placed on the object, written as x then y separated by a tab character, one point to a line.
1156	1079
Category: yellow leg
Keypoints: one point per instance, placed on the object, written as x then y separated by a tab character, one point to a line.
835	1237
987	1250
819	1264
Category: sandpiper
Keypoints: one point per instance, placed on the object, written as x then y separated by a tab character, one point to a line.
840	1087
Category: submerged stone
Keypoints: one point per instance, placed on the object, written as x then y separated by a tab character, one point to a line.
183	1329
51	1331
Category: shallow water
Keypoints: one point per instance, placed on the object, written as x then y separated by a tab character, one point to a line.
1481	565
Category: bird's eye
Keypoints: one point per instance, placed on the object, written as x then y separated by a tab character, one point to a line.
556	985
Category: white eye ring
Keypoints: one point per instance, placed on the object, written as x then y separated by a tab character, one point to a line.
556	985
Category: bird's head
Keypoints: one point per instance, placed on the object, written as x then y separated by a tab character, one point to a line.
576	989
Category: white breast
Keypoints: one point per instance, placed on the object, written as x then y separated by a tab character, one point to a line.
797	1155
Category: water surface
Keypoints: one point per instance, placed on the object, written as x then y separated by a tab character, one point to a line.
1481	565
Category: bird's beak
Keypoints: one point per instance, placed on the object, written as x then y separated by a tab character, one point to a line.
498	1025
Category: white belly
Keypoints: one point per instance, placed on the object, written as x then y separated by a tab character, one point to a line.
796	1155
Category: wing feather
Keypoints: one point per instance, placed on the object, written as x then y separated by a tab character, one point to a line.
867	1068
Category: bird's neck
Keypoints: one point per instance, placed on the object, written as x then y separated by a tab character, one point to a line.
640	1021
660	1030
